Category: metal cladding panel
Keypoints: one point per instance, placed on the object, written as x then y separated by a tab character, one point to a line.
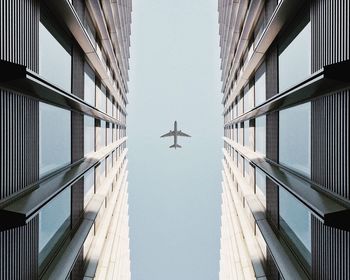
19	116
272	203
330	251
19	252
19	123
271	90
330	136
77	202
330	115
19	32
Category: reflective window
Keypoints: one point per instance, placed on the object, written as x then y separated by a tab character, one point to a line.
295	223
260	184
54	138
109	133
54	55
89	135
54	223
246	133
295	138
89	84
109	106
260	135
90	29
260	84
295	56
89	185
102	170
102	134
246	99
101	99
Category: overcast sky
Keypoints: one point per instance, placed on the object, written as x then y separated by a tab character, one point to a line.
174	195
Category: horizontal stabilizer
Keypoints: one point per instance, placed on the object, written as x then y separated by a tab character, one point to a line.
175	146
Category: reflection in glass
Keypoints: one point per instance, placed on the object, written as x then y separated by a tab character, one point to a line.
89	135
260	84
54	138
54	56
260	184
295	139
260	135
89	84
54	223
102	134
246	133
295	223
89	183
295	56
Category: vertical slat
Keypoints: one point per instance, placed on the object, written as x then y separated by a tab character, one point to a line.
330	136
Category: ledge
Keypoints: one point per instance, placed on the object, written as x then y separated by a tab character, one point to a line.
331	212
20	211
254	10
284	261
66	12
24	81
63	264
330	79
282	14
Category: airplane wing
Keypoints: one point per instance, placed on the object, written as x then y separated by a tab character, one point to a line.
180	133
170	133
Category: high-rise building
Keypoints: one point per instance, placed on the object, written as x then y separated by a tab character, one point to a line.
63	175
286	193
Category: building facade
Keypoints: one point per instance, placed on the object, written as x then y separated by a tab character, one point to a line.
286	194
63	85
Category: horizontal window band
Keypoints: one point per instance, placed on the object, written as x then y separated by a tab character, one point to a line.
21	210
325	207
20	79
254	10
64	262
65	11
284	261
282	14
101	19
332	78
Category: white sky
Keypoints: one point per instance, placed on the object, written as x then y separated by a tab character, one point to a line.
174	195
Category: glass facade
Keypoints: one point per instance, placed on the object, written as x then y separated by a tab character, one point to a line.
54	55
246	133
295	138
260	84
294	60
54	223
102	134
295	223
54	138
260	185
260	135
89	84
89	135
89	185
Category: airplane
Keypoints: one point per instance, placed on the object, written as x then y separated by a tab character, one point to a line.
175	133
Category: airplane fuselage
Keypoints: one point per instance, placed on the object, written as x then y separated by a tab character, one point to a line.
175	134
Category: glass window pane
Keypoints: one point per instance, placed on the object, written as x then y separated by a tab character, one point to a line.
54	137
260	135
103	134
295	139
260	84
89	135
54	57
89	84
295	57
246	133
260	183
295	222
54	222
89	183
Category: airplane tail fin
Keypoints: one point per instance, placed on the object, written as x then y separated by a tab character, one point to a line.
175	146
